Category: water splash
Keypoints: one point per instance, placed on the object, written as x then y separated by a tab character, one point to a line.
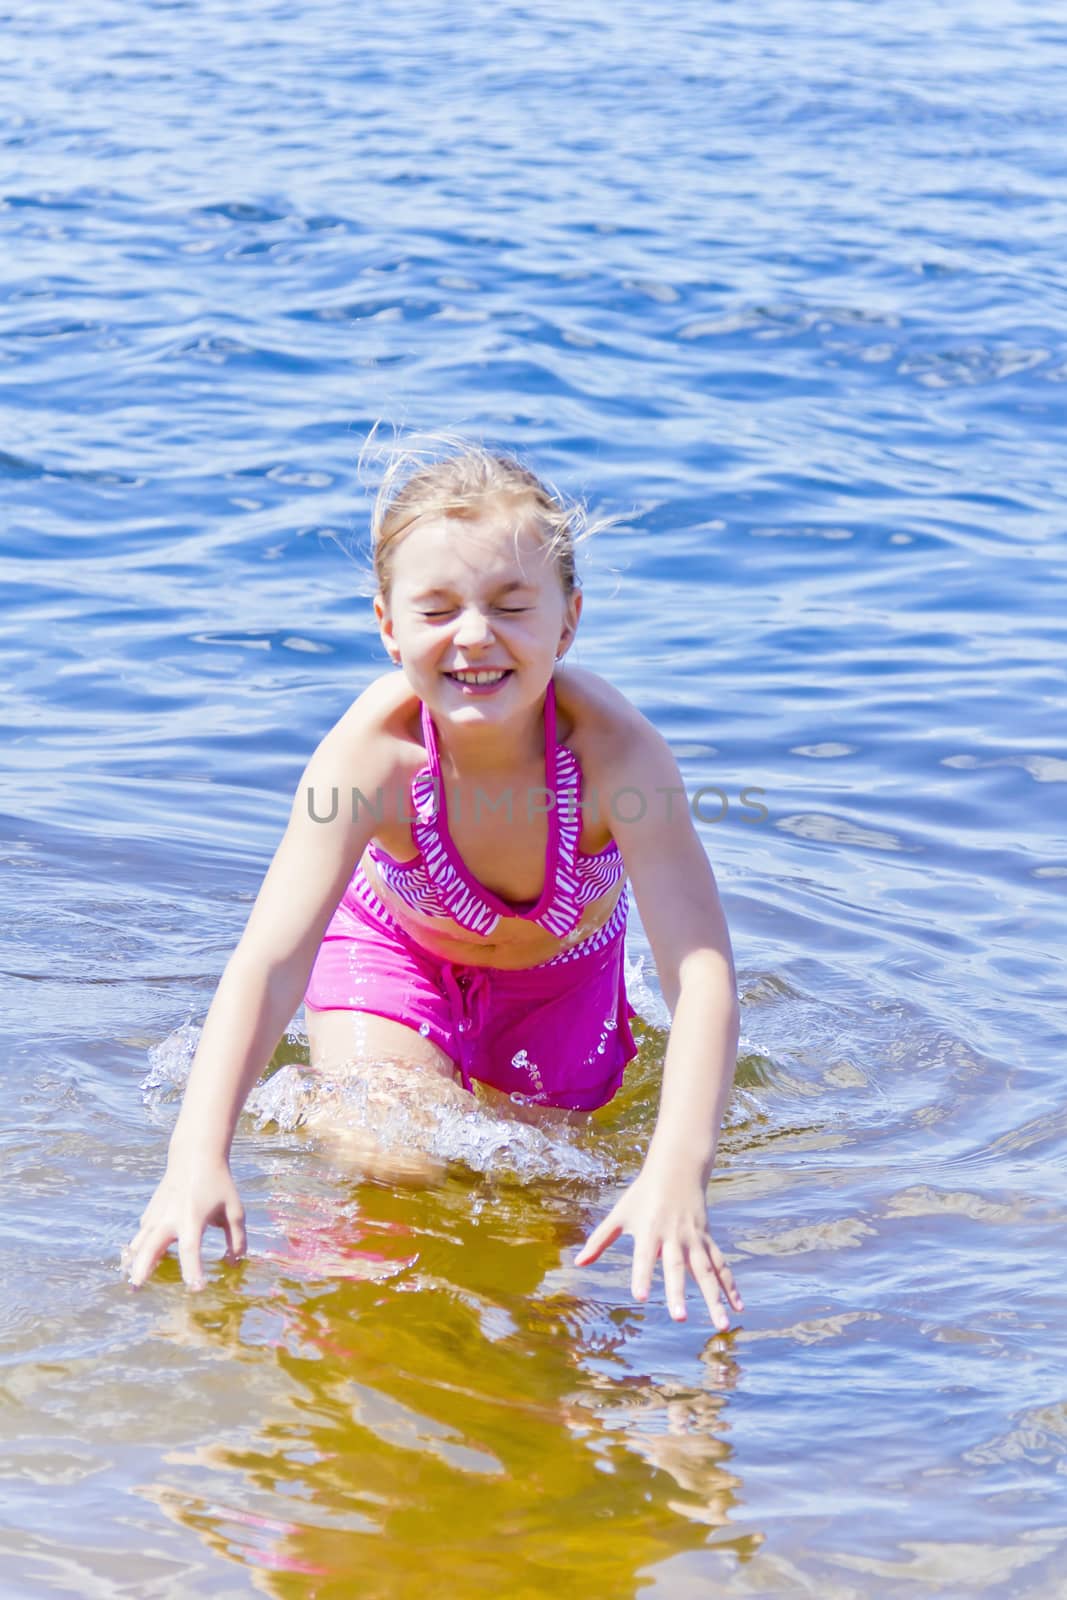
168	1066
407	1111
648	1002
401	1110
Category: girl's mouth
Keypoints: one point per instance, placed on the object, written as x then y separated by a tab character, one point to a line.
486	680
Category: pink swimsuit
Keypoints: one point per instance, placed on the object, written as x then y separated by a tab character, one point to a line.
557	1033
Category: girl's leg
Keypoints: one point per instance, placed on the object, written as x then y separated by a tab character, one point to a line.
398	1069
341	1039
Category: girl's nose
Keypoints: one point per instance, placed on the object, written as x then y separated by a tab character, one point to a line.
472	628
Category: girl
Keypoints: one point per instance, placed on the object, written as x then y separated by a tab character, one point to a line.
450	889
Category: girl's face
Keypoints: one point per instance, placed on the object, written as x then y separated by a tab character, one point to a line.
476	614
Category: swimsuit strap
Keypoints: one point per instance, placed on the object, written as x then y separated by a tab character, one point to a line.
429	739
550	732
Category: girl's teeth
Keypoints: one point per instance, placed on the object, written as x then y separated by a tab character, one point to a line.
477	677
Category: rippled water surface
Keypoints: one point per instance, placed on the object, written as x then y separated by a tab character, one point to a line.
782	287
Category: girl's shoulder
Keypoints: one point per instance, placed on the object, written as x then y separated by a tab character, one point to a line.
383	725
388	705
595	719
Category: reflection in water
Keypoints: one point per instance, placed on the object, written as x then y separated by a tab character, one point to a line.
434	1410
438	1390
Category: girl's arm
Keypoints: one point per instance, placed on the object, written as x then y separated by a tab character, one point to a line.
261	988
665	1209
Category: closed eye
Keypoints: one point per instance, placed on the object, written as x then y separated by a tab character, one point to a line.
508	611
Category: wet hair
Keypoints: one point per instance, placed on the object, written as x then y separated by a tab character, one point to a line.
446	476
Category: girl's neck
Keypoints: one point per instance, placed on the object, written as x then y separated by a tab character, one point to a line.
488	752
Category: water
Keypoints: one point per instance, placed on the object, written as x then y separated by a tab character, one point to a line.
783	289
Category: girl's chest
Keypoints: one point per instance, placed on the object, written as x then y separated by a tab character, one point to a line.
501	835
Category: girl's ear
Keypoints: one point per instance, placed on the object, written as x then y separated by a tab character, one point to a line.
571	617
385	628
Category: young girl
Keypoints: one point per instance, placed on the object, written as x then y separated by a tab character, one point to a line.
450	889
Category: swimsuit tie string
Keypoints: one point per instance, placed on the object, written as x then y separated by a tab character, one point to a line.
468	992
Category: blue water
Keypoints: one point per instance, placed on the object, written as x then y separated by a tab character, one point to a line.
782	289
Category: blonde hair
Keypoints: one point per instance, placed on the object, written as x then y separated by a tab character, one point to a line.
443	475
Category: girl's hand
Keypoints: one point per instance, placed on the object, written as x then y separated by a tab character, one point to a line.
194	1194
668	1217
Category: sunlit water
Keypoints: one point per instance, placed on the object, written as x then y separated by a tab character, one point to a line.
782	287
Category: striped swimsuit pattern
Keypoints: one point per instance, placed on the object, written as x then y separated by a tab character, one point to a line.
437	883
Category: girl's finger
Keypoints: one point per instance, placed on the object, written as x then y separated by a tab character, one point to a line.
603	1235
733	1292
234	1227
145	1260
708	1282
144	1231
674	1280
646	1249
189	1255
725	1276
